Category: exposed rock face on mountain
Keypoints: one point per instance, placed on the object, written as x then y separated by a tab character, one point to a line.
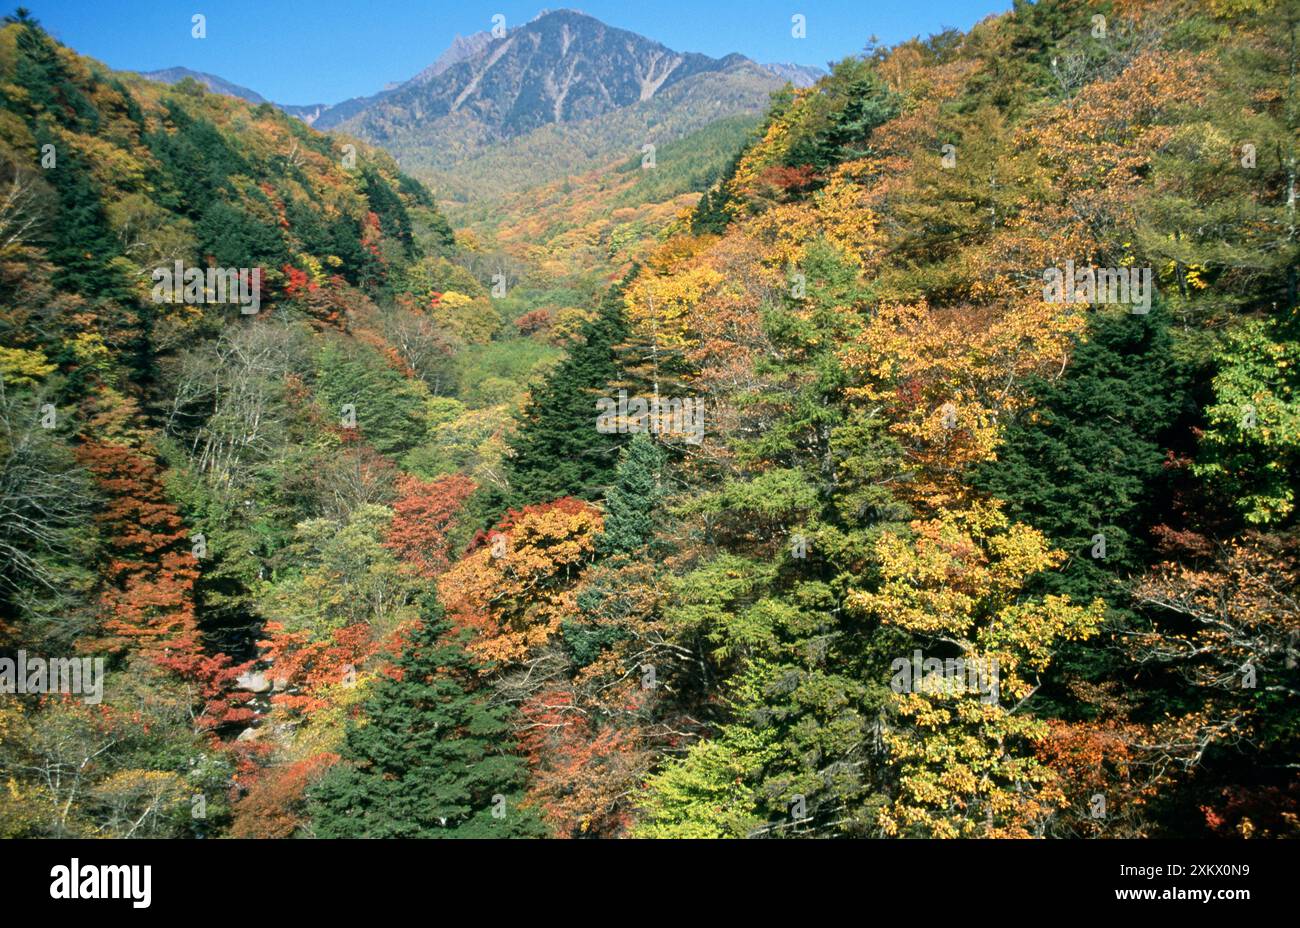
308	113
560	95
561	67
468	168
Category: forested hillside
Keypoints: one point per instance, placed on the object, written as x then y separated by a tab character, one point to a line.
187	486
931	475
596	225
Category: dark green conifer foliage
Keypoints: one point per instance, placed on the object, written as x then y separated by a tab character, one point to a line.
389	409
633	504
429	756
393	219
79	240
854	101
557	450
231	237
197	162
1090	461
634	498
1090	458
49	87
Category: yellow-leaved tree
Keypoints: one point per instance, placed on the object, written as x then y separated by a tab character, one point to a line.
961	746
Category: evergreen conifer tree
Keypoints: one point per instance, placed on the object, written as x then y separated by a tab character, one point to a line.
632	500
1090	459
428	761
557	450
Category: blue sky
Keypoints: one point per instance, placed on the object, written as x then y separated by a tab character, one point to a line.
323	51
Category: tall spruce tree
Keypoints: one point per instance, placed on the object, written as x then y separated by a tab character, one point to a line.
1089	461
631	505
634	497
557	450
1090	458
429	760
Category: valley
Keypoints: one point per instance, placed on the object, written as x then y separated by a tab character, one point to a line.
574	439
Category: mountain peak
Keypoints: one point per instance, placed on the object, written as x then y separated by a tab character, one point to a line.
564	11
562	66
461	48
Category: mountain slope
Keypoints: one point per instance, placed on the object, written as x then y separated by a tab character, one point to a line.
560	96
211	81
462	48
605	219
465	166
800	75
882	442
561	67
567	100
161	453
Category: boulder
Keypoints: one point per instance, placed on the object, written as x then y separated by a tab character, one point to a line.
252	682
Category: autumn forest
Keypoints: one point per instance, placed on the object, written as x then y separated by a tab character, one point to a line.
907	449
